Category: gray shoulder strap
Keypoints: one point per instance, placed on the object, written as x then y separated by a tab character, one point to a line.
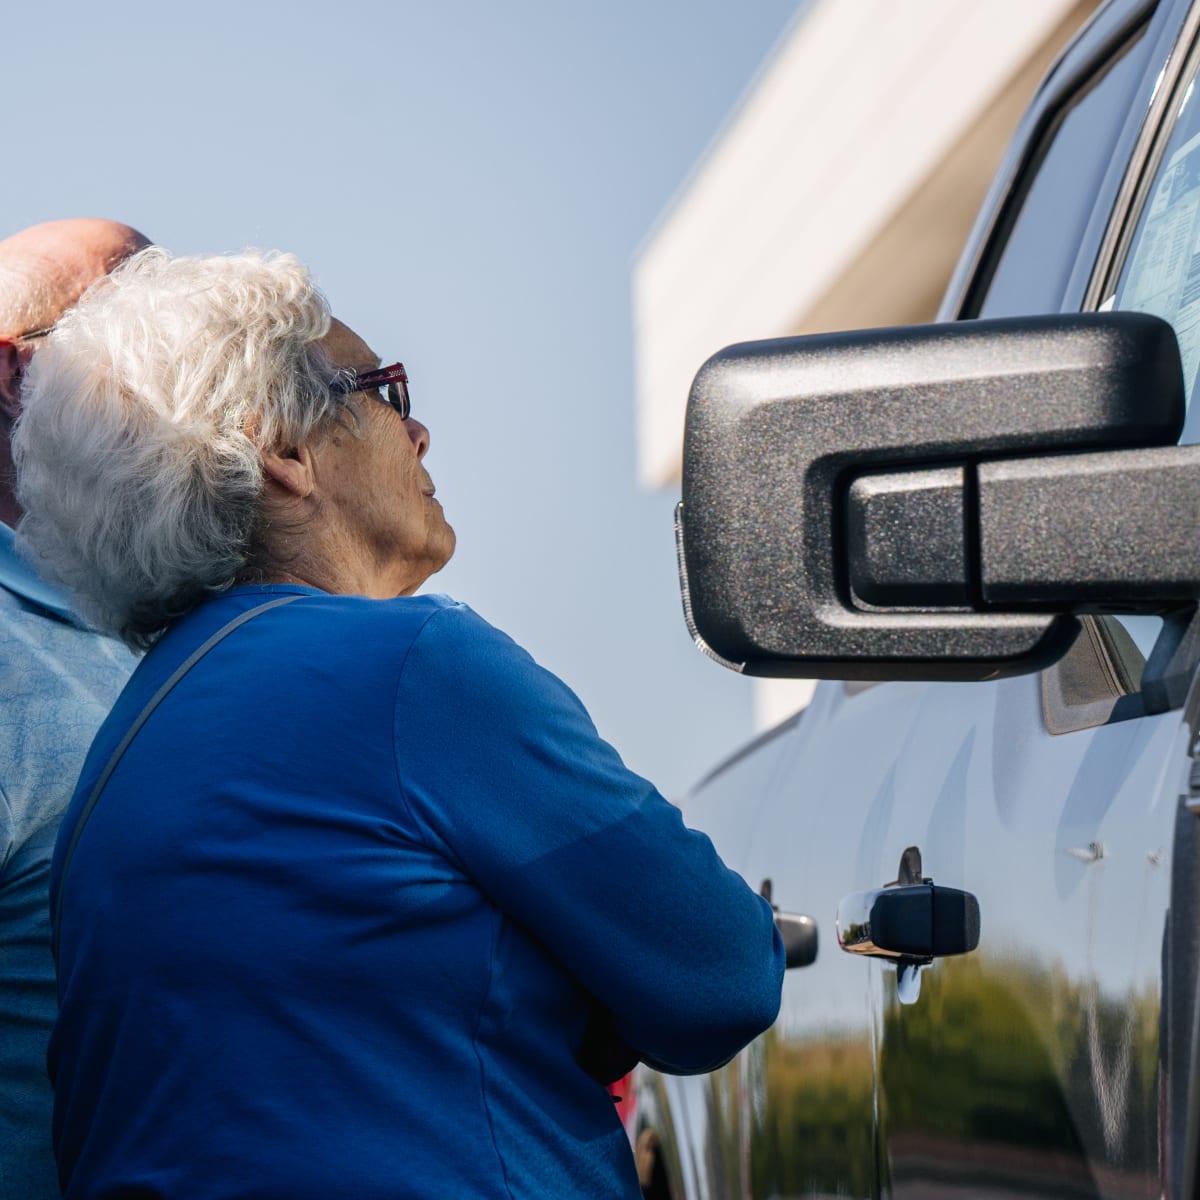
142	717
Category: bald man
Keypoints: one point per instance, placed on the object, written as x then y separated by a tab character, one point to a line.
57	683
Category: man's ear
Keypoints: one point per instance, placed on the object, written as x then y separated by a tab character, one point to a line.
291	469
10	378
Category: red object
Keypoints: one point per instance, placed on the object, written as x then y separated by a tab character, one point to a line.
622	1093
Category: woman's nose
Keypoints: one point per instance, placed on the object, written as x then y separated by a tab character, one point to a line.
419	435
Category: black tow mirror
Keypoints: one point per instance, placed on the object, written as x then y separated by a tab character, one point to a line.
935	502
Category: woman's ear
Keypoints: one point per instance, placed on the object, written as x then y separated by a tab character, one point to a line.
291	469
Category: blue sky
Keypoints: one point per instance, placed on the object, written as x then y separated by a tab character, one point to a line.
469	182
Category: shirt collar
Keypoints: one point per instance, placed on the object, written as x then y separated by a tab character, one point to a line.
18	577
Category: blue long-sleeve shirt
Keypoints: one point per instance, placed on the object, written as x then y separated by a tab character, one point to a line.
346	912
58	680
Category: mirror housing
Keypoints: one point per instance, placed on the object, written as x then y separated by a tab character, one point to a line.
934	502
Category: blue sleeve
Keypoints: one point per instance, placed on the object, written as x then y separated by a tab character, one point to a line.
508	776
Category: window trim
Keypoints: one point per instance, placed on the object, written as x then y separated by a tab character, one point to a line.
1170	29
1110	29
1183	63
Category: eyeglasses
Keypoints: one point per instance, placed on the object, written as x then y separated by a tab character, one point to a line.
17	338
394	379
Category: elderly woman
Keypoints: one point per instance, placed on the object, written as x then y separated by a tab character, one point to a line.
352	900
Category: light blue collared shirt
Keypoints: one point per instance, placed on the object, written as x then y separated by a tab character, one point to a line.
18	577
58	680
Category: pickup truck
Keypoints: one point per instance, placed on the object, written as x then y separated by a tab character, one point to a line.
983	537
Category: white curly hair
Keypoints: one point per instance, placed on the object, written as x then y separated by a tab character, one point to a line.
137	448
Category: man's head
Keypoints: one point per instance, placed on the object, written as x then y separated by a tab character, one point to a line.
43	271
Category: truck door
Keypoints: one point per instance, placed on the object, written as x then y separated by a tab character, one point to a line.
1039	1064
1053	1060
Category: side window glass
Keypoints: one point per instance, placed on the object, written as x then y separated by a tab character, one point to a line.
1160	271
1159	268
1054	201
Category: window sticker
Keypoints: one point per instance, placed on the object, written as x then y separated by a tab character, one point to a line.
1164	276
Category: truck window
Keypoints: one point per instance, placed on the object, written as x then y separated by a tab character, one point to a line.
1160	269
1035	252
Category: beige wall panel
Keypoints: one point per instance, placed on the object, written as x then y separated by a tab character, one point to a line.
856	129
